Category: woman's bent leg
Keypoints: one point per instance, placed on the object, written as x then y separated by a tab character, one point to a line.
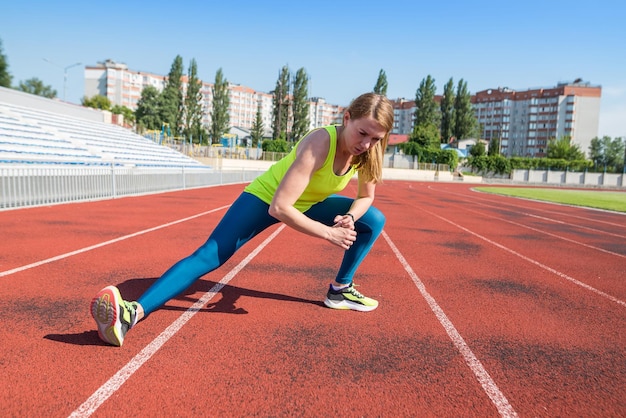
368	229
244	219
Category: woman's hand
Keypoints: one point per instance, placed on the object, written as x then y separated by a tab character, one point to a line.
344	221
342	233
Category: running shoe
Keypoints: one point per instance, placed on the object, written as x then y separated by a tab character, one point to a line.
114	316
349	298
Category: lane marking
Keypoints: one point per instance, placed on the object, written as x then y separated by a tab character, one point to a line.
102	244
550	212
548	233
532	261
489	386
118	379
543	218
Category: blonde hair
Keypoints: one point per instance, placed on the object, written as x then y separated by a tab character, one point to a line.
370	163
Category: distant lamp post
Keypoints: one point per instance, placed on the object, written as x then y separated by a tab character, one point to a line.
64	73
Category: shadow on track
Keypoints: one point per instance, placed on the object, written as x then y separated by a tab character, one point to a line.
131	289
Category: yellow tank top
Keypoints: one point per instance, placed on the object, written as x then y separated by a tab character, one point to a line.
323	183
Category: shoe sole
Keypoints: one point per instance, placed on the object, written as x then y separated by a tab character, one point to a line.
347	305
105	309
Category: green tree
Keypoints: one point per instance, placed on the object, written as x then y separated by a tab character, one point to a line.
447	111
607	154
426	136
431	155
192	115
426	124
596	150
494	147
276	145
563	148
280	102
97	102
36	86
477	150
129	115
257	128
5	76
465	123
148	115
426	112
220	121
300	105
171	104
381	84
496	164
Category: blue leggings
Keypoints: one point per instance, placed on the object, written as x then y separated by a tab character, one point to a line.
246	218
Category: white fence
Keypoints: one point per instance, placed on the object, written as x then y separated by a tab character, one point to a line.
565	178
24	186
36	186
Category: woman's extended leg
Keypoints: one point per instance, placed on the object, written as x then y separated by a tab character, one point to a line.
114	316
244	219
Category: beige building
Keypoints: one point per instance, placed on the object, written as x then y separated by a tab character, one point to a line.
525	121
403	112
123	87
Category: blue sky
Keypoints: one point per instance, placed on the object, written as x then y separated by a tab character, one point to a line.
342	44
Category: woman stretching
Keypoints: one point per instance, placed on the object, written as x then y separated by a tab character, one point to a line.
298	190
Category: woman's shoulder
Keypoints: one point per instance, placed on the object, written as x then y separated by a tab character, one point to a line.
316	139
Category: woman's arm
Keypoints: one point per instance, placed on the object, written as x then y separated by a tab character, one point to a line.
363	201
310	156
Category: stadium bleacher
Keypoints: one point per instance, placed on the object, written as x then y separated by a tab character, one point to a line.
54	152
33	136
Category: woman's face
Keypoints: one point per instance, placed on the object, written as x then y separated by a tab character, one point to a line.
361	134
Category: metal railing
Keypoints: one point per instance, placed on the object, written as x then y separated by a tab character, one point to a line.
37	186
47	184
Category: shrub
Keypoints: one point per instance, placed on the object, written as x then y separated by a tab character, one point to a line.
278	145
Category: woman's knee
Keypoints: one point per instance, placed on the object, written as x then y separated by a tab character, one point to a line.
374	218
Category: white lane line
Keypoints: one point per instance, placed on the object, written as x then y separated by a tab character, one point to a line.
549	212
118	379
489	386
472	199
102	244
530	260
543	218
548	233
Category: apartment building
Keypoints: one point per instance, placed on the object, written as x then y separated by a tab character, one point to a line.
403	113
119	84
123	87
323	114
525	121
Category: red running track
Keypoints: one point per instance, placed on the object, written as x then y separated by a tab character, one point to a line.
488	306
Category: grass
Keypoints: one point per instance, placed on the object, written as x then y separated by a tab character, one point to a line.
614	201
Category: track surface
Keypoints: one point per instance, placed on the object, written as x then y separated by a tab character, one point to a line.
488	306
